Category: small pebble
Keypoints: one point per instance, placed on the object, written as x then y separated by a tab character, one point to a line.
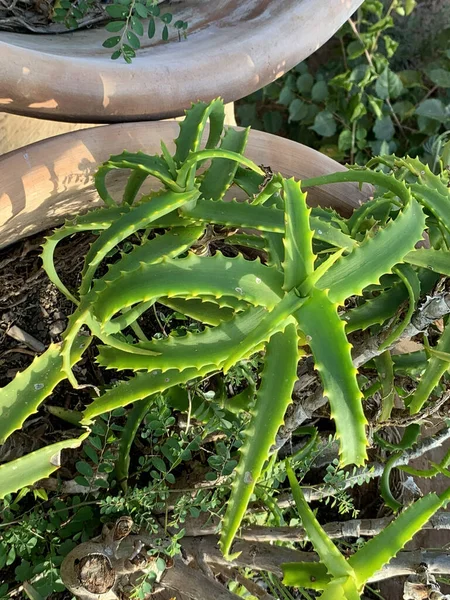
57	327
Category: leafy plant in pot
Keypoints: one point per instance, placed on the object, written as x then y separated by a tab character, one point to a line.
71	77
196	254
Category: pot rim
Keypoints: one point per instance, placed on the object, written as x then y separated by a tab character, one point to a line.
47	181
74	79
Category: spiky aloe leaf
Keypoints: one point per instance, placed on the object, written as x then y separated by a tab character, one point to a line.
310	575
220	174
249	181
140	217
362	175
376	256
298	254
381	549
272	400
343	588
98	220
269	324
375	311
134	184
32	467
435	260
169	244
435	202
237	214
186	173
204	311
248	241
385	367
271	219
134	419
192	276
376	208
325	332
432	374
139	387
193	126
412	364
149	165
329	555
412	285
213	346
22	397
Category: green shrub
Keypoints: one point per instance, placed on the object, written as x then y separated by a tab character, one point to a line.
353	102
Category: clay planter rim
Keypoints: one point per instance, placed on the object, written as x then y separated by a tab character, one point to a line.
45	182
234	48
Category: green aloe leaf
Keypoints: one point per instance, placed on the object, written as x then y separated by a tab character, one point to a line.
329	555
378	551
435	202
385	367
376	256
435	369
189	277
271	219
170	244
150	165
375	311
30	468
139	218
325	332
22	397
310	575
362	175
220	174
212	346
412	284
200	310
272	400
134	419
435	260
186	173
298	254
139	387
343	588
193	126
98	220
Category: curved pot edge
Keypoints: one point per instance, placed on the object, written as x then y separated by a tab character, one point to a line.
47	181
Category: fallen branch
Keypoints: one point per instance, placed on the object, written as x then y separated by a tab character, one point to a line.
262	556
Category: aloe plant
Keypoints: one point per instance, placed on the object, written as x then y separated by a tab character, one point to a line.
288	306
343	579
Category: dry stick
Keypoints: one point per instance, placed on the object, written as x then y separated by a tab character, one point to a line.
22	336
335	530
252	587
372	470
266	557
434	308
193	584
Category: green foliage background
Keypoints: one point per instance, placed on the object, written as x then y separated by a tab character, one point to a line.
380	86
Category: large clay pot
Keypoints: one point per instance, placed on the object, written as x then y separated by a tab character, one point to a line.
234	47
45	182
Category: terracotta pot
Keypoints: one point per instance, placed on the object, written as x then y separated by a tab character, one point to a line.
45	182
234	47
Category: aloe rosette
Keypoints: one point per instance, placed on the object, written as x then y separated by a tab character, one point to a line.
288	305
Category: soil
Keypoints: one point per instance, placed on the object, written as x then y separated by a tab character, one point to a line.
35	16
31	303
